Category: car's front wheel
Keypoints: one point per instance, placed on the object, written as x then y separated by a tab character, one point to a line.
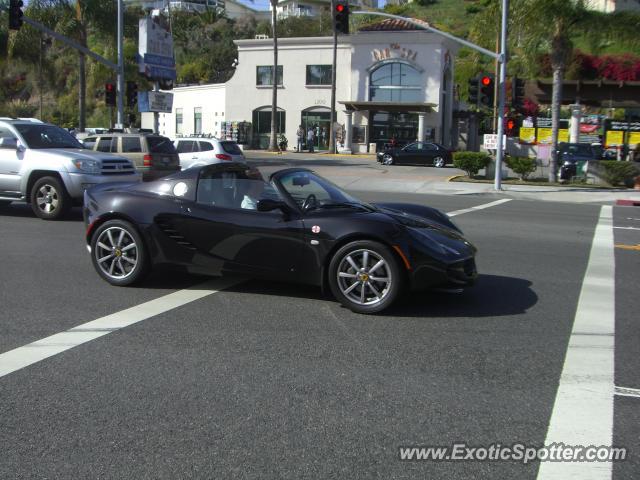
365	276
387	159
439	162
49	198
118	253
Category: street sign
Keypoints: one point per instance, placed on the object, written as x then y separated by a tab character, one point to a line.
491	141
155	49
155	102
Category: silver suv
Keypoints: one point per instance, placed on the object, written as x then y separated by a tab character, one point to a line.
47	167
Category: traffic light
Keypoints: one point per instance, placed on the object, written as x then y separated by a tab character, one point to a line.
15	14
474	89
341	16
517	90
487	88
110	94
132	94
510	127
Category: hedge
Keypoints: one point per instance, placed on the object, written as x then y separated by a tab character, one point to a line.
618	172
523	166
471	162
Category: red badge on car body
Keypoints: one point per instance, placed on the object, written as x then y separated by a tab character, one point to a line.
315	229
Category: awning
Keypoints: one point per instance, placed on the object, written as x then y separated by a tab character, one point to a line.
388	106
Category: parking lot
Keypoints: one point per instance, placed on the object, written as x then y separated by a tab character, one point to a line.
239	378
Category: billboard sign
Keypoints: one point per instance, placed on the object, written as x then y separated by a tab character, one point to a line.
155	102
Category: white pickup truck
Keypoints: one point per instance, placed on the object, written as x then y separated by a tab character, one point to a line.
47	167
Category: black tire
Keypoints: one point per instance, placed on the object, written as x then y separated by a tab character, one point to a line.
439	161
120	274
390	269
49	198
387	159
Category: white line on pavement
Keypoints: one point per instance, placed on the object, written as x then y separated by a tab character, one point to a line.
478	207
46	347
583	409
628	228
627	392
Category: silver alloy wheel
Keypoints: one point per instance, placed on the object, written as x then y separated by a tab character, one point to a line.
364	277
387	159
116	253
47	198
438	162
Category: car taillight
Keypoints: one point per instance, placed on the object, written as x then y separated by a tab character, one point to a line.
223	156
146	160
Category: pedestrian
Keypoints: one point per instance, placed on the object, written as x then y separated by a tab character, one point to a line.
323	135
310	139
300	134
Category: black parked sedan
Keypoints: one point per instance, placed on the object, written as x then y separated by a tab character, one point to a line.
416	153
296	226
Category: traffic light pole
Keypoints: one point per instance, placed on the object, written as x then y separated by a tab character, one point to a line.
120	89
500	57
497	183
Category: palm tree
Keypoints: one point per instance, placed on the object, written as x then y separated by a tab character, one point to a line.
273	142
552	26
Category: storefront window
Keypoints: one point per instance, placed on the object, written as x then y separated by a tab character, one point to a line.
262	125
264	75
318	74
396	82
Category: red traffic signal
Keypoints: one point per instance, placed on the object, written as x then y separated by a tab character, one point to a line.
341	18
510	124
486	80
110	94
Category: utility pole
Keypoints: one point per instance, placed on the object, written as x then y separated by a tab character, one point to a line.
120	82
332	133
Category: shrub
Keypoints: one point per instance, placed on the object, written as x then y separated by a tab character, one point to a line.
523	166
619	173
471	162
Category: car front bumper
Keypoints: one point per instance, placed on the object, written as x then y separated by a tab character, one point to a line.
77	183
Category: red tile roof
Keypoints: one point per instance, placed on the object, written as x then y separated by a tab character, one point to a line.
393	24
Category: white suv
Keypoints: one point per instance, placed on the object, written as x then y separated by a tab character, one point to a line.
197	151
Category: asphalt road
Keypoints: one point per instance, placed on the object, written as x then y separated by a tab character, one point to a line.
276	381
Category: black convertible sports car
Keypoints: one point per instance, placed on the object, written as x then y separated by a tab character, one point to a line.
416	153
296	226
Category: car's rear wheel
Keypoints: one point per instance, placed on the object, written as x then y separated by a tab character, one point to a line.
49	198
118	253
439	162
387	159
365	276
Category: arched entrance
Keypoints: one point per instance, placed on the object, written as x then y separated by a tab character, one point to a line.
319	119
262	125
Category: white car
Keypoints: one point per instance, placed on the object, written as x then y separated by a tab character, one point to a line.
198	151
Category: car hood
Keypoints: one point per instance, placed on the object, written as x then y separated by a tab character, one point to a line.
419	215
75	154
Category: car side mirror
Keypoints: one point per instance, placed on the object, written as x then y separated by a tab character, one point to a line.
9	143
268	205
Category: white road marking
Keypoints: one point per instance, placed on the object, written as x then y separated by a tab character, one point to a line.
47	347
627	392
628	228
583	409
478	207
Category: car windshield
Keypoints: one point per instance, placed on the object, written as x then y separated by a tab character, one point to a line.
160	145
304	185
47	136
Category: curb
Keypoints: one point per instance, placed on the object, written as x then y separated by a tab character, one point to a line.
628	203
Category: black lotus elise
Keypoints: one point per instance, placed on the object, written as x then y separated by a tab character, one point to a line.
296	226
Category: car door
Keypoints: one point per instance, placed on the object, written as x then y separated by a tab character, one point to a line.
410	154
207	152
131	148
230	238
188	152
10	164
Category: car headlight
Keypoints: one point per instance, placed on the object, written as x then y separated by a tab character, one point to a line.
87	165
433	243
